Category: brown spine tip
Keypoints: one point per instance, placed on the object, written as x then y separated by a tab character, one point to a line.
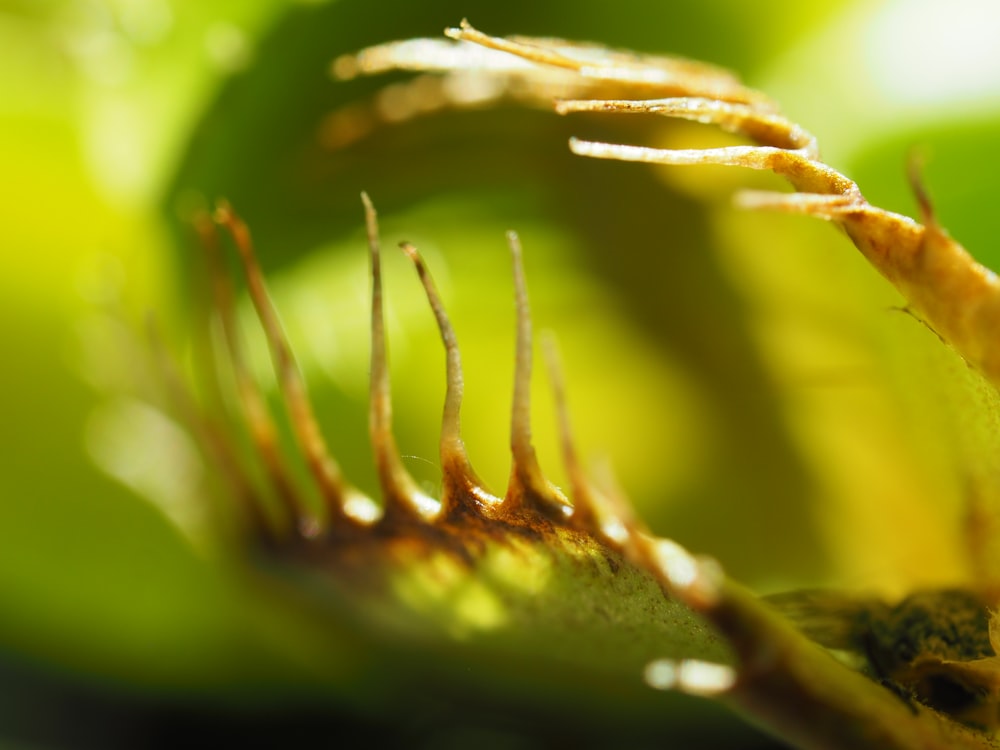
463	489
528	486
254	410
403	499
321	464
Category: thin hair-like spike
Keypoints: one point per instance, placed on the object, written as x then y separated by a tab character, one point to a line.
914	173
461	480
323	467
768	128
527	481
451	423
532	52
958	298
553	364
477	69
520	427
402	498
653	74
804	173
825	205
585	511
254	410
211	438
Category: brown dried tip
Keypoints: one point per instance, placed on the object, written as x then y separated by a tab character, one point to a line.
402	499
254	409
463	490
528	487
334	490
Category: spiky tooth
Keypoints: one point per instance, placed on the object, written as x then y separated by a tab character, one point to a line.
212	440
253	407
423	55
525	50
754	157
403	500
587	512
463	490
826	206
601	511
324	469
767	128
606	70
528	489
804	173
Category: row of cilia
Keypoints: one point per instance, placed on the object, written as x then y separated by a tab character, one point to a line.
780	678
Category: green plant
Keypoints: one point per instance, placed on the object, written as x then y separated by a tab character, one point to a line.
776	677
379	156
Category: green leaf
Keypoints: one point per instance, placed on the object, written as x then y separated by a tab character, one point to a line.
745	373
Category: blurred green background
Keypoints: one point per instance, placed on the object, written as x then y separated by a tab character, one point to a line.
744	374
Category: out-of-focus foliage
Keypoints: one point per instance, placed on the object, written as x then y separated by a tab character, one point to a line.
745	374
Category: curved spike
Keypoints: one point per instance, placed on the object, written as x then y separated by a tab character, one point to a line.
254	410
450	427
213	441
423	55
321	464
461	481
585	504
603	511
528	485
650	73
402	498
754	157
525	461
523	49
804	173
824	205
914	173
766	127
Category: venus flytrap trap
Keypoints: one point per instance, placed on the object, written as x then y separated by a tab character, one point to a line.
533	565
467	562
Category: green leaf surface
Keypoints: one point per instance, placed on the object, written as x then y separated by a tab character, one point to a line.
745	374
